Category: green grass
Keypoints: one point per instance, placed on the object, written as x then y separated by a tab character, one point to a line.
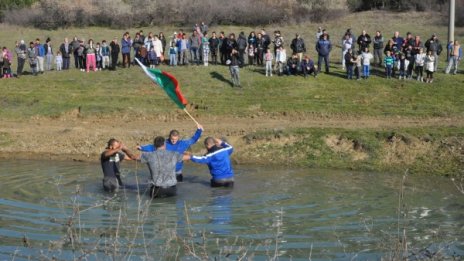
128	90
131	91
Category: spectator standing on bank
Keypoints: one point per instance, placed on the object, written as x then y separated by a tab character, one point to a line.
433	45
268	57
298	47
66	50
91	60
74	48
366	57
260	51
115	50
241	47
32	56
389	61
205	48
429	66
125	50
40	53
323	48
105	53
214	47
364	40
59	61
378	48
21	53
455	52
348	60
347	44
419	60
48	54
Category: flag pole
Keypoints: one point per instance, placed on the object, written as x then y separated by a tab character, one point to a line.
191	117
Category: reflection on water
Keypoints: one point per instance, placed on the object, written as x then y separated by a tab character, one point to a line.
58	209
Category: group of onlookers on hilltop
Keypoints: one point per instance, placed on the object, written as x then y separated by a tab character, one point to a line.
401	57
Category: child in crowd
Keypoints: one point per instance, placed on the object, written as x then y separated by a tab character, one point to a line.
349	64
366	61
356	60
173	54
389	61
402	66
32	56
268	57
98	56
152	57
429	66
59	61
419	61
7	56
105	53
251	54
281	59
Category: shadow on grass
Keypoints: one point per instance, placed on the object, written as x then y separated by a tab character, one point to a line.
220	77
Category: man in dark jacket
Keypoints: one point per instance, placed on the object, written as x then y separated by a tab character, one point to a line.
213	47
378	48
323	48
115	49
433	45
241	47
298	46
364	40
66	50
75	44
114	153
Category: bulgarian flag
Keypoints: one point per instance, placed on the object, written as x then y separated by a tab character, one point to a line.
168	83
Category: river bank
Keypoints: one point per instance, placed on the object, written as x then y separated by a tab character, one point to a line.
421	145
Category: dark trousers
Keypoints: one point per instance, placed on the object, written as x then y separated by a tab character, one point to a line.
66	61
309	71
259	57
223	57
220	183
20	68
162	192
326	61
114	61
126	59
241	57
80	62
76	60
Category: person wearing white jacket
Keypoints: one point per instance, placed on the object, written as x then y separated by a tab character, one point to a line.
429	66
281	59
366	57
419	61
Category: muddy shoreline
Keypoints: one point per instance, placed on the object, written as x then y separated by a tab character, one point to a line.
304	140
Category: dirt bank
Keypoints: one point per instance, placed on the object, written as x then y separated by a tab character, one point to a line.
71	137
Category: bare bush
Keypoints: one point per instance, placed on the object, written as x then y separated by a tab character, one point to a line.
52	14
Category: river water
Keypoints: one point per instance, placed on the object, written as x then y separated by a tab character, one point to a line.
58	210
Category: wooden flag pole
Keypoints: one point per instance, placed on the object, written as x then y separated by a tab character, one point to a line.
191	117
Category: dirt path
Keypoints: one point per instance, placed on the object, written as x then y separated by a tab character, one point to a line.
71	137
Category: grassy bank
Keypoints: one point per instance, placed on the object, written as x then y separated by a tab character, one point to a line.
434	150
366	137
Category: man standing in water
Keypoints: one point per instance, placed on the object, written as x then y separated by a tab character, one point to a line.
114	153
174	143
162	166
218	160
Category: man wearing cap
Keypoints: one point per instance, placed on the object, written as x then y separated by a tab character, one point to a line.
174	143
434	45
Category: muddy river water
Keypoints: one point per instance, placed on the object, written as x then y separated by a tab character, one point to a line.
51	209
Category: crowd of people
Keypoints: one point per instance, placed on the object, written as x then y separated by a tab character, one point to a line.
164	159
402	57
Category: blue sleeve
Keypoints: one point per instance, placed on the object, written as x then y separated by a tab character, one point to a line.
201	159
230	149
195	137
147	148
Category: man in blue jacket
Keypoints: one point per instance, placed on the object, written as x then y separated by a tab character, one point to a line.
323	48
174	143
218	160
